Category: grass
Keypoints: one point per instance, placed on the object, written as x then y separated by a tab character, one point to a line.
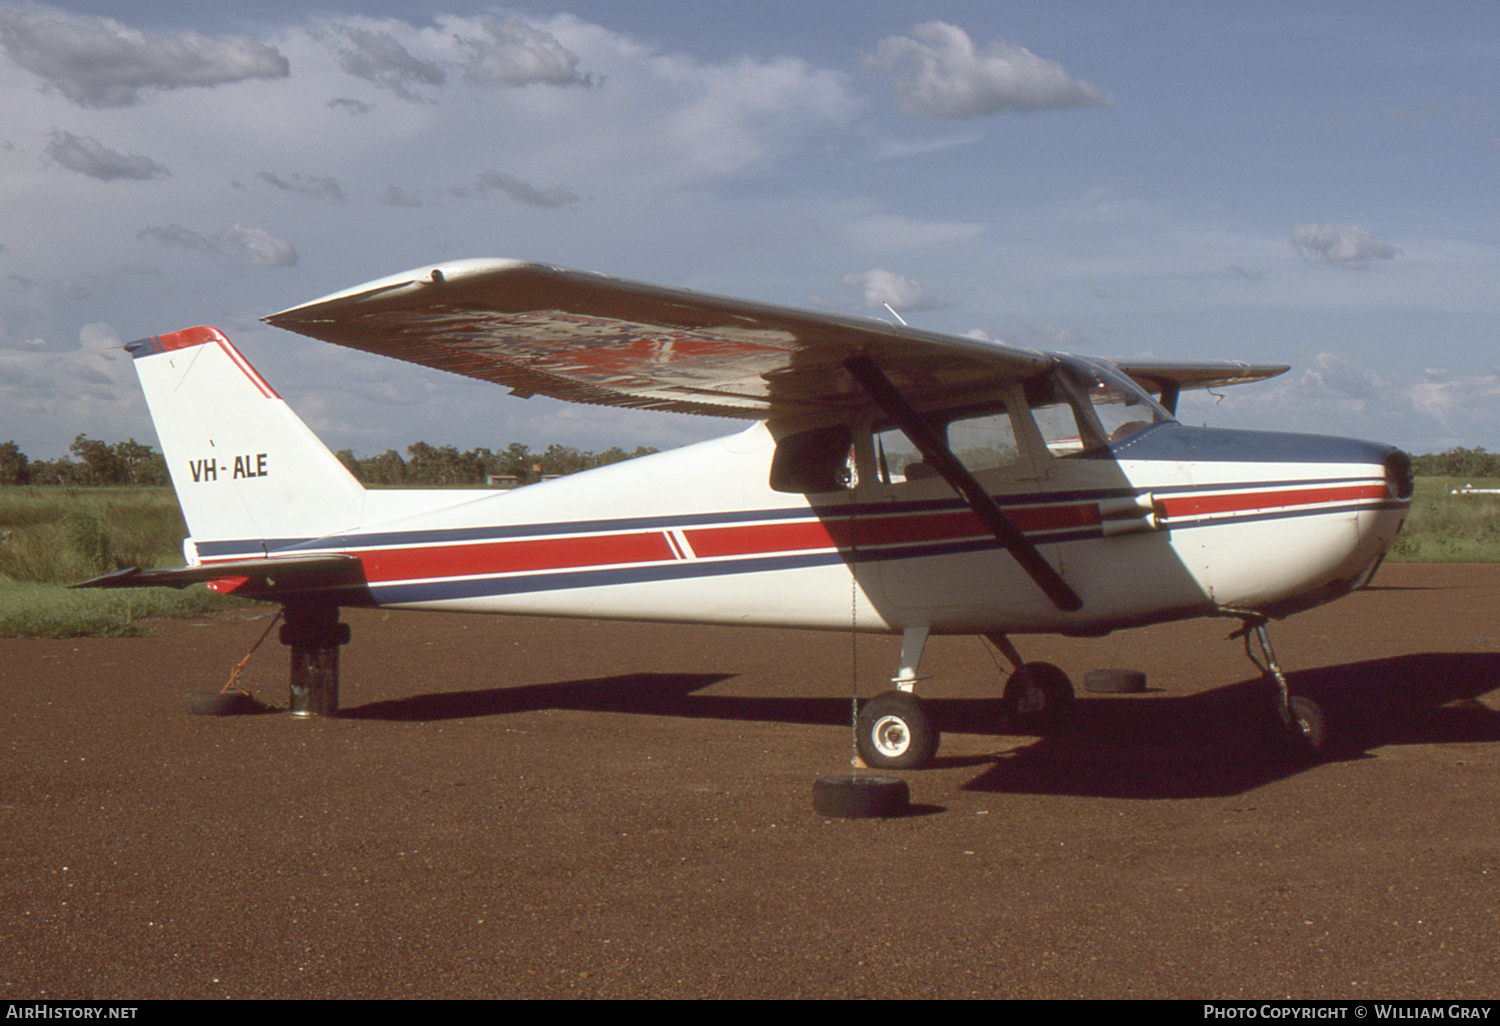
53	537
1448	528
30	610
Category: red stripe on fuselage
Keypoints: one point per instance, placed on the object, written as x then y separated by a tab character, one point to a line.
753	539
514	556
528	555
1200	505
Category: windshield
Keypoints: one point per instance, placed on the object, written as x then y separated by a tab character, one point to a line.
1121	407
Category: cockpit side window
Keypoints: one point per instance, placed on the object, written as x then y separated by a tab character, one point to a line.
1056	417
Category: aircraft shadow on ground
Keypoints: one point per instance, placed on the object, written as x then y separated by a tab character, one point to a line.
648	694
1144	746
1222	742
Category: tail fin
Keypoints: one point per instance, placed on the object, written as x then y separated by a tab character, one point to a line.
250	476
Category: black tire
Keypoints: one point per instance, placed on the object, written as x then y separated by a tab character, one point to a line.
216	703
893	732
1038	699
1114	682
861	797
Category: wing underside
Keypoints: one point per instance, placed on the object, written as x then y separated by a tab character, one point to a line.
588	338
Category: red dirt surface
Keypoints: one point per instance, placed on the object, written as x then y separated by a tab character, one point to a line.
515	807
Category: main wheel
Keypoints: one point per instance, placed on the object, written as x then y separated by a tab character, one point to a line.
893	732
1038	699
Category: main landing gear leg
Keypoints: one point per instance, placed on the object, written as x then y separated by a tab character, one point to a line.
1038	697
313	632
892	730
1302	732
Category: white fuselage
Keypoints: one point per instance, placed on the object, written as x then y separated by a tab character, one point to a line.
1163	530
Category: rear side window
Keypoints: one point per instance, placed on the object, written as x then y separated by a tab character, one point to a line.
820	460
980	439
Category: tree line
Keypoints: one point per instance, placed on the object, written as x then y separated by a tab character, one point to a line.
94	463
445	465
1457	462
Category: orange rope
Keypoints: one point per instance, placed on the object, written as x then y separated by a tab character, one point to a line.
234	674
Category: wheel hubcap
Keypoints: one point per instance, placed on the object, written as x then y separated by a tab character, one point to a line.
891	736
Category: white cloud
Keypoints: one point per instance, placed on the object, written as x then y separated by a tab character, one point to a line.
939	73
734	117
1342	394
88	156
880	287
518	54
98	62
1350	247
89	388
1459	402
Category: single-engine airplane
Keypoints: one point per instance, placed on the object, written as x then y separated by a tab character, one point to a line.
894	480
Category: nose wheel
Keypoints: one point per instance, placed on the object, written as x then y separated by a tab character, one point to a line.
1304	734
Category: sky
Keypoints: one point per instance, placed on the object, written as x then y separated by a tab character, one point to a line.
1308	183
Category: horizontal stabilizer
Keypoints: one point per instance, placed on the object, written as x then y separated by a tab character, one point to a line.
284	574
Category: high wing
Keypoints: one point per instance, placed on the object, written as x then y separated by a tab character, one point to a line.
593	339
589	338
1167	378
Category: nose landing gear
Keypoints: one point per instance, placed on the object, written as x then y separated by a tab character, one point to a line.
1301	733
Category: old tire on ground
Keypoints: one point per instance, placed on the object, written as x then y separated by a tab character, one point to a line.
892	731
217	703
855	797
1114	682
1038	699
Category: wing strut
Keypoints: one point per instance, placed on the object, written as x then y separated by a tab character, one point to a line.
935	451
